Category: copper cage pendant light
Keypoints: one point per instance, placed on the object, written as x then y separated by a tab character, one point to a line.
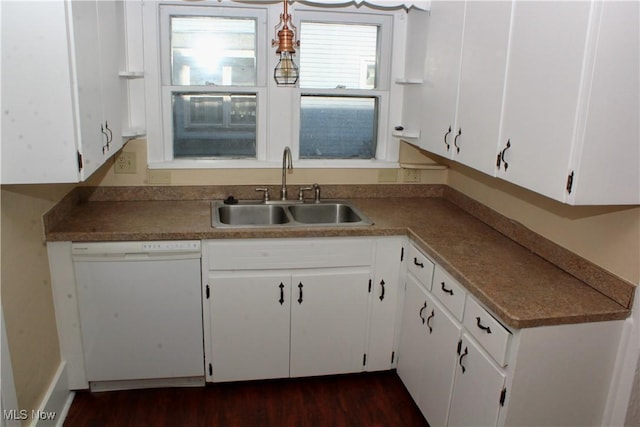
286	72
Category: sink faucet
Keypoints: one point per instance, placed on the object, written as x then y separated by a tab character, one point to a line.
287	163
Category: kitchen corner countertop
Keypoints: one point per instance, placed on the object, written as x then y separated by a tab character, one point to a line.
521	288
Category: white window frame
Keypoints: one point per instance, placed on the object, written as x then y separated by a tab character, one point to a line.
278	108
383	78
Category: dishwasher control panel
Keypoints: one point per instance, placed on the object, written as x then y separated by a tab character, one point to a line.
170	246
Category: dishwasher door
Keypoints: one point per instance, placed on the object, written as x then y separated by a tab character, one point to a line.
140	312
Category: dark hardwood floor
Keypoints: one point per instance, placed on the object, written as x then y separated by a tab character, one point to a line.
370	399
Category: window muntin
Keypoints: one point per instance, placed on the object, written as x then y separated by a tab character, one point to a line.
214	125
213	50
338	127
336	55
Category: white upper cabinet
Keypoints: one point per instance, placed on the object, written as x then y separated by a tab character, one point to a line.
484	56
464	79
441	76
61	93
541	94
570	112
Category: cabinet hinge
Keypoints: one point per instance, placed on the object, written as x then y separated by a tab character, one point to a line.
393	356
210	369
364	359
503	395
80	165
401	254
459	346
207	292
570	182
369	285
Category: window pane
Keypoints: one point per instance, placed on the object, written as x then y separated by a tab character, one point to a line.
338	55
213	51
214	125
334	127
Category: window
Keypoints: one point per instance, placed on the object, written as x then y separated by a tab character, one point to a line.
211	77
343	57
213	101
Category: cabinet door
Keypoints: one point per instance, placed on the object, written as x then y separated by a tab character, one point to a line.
607	157
328	322
546	55
113	89
384	302
250	316
413	338
484	56
477	387
442	68
441	336
86	59
38	136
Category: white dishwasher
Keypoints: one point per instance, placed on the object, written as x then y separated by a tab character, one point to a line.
140	309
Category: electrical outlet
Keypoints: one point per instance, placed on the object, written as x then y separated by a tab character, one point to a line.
412	175
126	162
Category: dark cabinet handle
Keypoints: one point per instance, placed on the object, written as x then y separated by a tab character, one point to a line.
281	300
455	140
300	295
464	353
421	310
419	264
382	294
445	138
484	328
445	290
433	313
105	147
110	137
506	165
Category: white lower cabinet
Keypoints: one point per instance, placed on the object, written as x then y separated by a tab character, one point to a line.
277	308
250	325
467	369
429	337
478	387
328	322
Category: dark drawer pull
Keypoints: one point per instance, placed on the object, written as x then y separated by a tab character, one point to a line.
281	300
382	286
300	285
462	356
484	328
445	290
419	264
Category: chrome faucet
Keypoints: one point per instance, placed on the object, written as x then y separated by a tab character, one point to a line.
287	163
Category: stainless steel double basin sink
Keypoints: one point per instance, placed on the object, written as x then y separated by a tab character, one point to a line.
250	214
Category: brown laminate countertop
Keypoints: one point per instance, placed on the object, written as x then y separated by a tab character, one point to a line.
521	288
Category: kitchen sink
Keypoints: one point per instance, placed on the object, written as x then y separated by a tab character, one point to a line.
249	214
324	213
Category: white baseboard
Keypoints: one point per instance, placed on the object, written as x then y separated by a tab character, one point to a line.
56	403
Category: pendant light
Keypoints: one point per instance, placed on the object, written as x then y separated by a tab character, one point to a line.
286	72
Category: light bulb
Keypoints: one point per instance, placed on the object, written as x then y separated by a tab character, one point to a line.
286	72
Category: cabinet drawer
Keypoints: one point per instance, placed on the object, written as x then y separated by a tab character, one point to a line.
420	266
487	330
449	292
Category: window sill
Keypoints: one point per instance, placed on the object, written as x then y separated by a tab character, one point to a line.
258	164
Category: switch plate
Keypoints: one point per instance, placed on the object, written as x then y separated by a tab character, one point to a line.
125	162
412	175
159	177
